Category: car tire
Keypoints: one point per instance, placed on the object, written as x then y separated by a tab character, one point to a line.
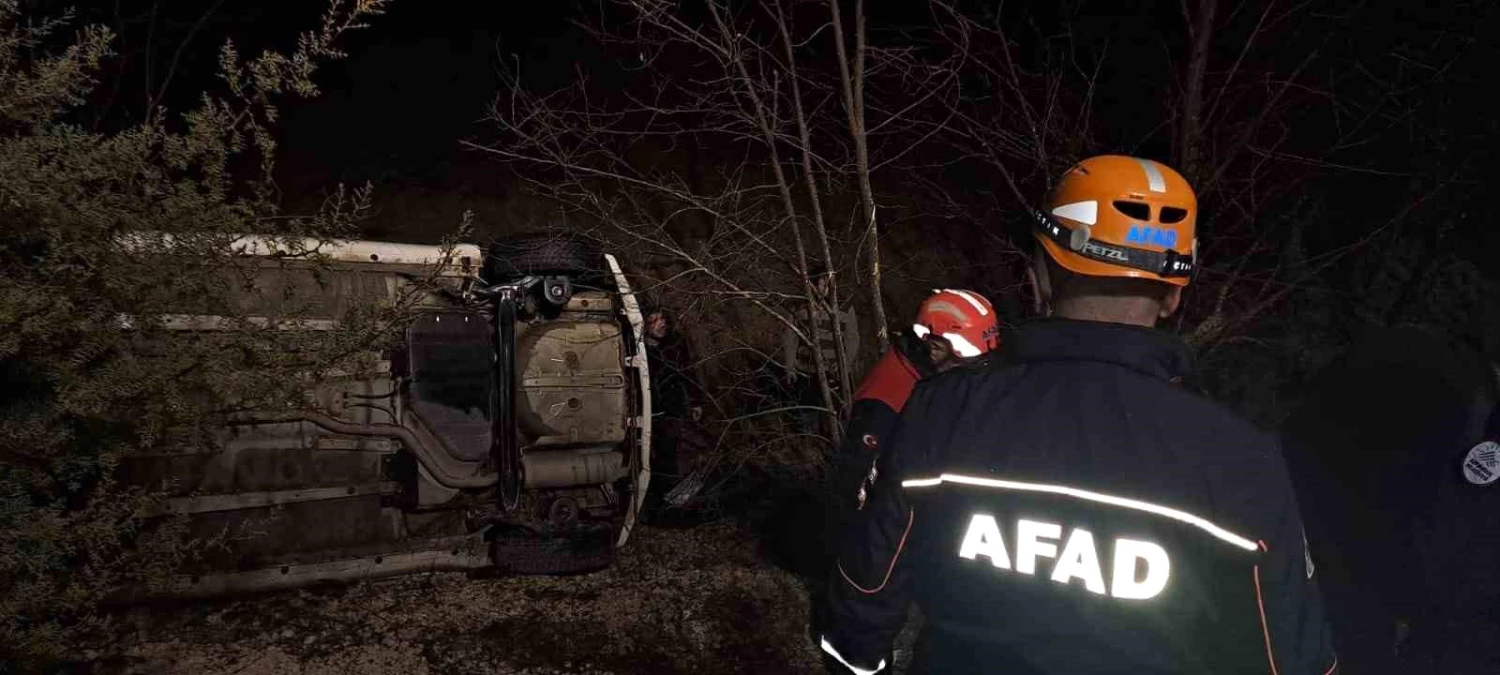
578	552
541	255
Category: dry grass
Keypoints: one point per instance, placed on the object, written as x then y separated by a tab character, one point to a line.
677	601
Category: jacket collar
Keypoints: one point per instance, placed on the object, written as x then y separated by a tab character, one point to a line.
1145	350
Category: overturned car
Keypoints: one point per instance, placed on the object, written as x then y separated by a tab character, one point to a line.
506	429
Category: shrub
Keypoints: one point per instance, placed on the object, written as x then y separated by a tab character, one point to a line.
101	234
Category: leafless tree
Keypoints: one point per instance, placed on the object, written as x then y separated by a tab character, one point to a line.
1240	97
749	143
733	150
1252	184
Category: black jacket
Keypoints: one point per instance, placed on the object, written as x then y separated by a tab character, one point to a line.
673	389
1072	511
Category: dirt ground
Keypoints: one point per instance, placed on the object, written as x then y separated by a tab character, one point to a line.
679	600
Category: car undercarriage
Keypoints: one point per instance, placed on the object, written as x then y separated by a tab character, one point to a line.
506	429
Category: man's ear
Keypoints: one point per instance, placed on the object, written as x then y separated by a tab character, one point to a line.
1041	284
1171	302
1036	291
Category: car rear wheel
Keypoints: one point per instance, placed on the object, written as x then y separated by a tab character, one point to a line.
541	255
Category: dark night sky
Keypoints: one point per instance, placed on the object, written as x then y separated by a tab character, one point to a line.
423	76
421	81
415	82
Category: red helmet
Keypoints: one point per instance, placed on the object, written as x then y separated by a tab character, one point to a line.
964	318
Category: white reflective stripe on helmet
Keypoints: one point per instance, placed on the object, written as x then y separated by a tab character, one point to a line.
829	650
962	346
1154	179
978	306
945	307
920	331
1083	212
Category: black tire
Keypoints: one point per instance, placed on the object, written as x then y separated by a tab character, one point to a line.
585	550
541	255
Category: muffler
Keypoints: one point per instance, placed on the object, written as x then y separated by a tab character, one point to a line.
594	465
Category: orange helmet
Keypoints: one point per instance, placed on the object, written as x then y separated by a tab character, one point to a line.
1119	216
964	318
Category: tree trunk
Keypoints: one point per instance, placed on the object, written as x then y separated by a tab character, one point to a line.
814	198
1200	27
853	86
762	118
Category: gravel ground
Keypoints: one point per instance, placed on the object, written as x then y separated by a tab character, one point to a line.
678	601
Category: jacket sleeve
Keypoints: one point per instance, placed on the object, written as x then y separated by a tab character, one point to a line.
868	589
1298	639
870	418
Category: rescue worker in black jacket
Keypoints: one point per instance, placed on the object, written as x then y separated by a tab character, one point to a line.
1072	510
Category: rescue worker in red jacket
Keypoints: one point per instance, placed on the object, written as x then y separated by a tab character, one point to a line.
953	328
1071	510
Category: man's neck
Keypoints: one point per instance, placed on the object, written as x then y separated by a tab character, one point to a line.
1131	312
